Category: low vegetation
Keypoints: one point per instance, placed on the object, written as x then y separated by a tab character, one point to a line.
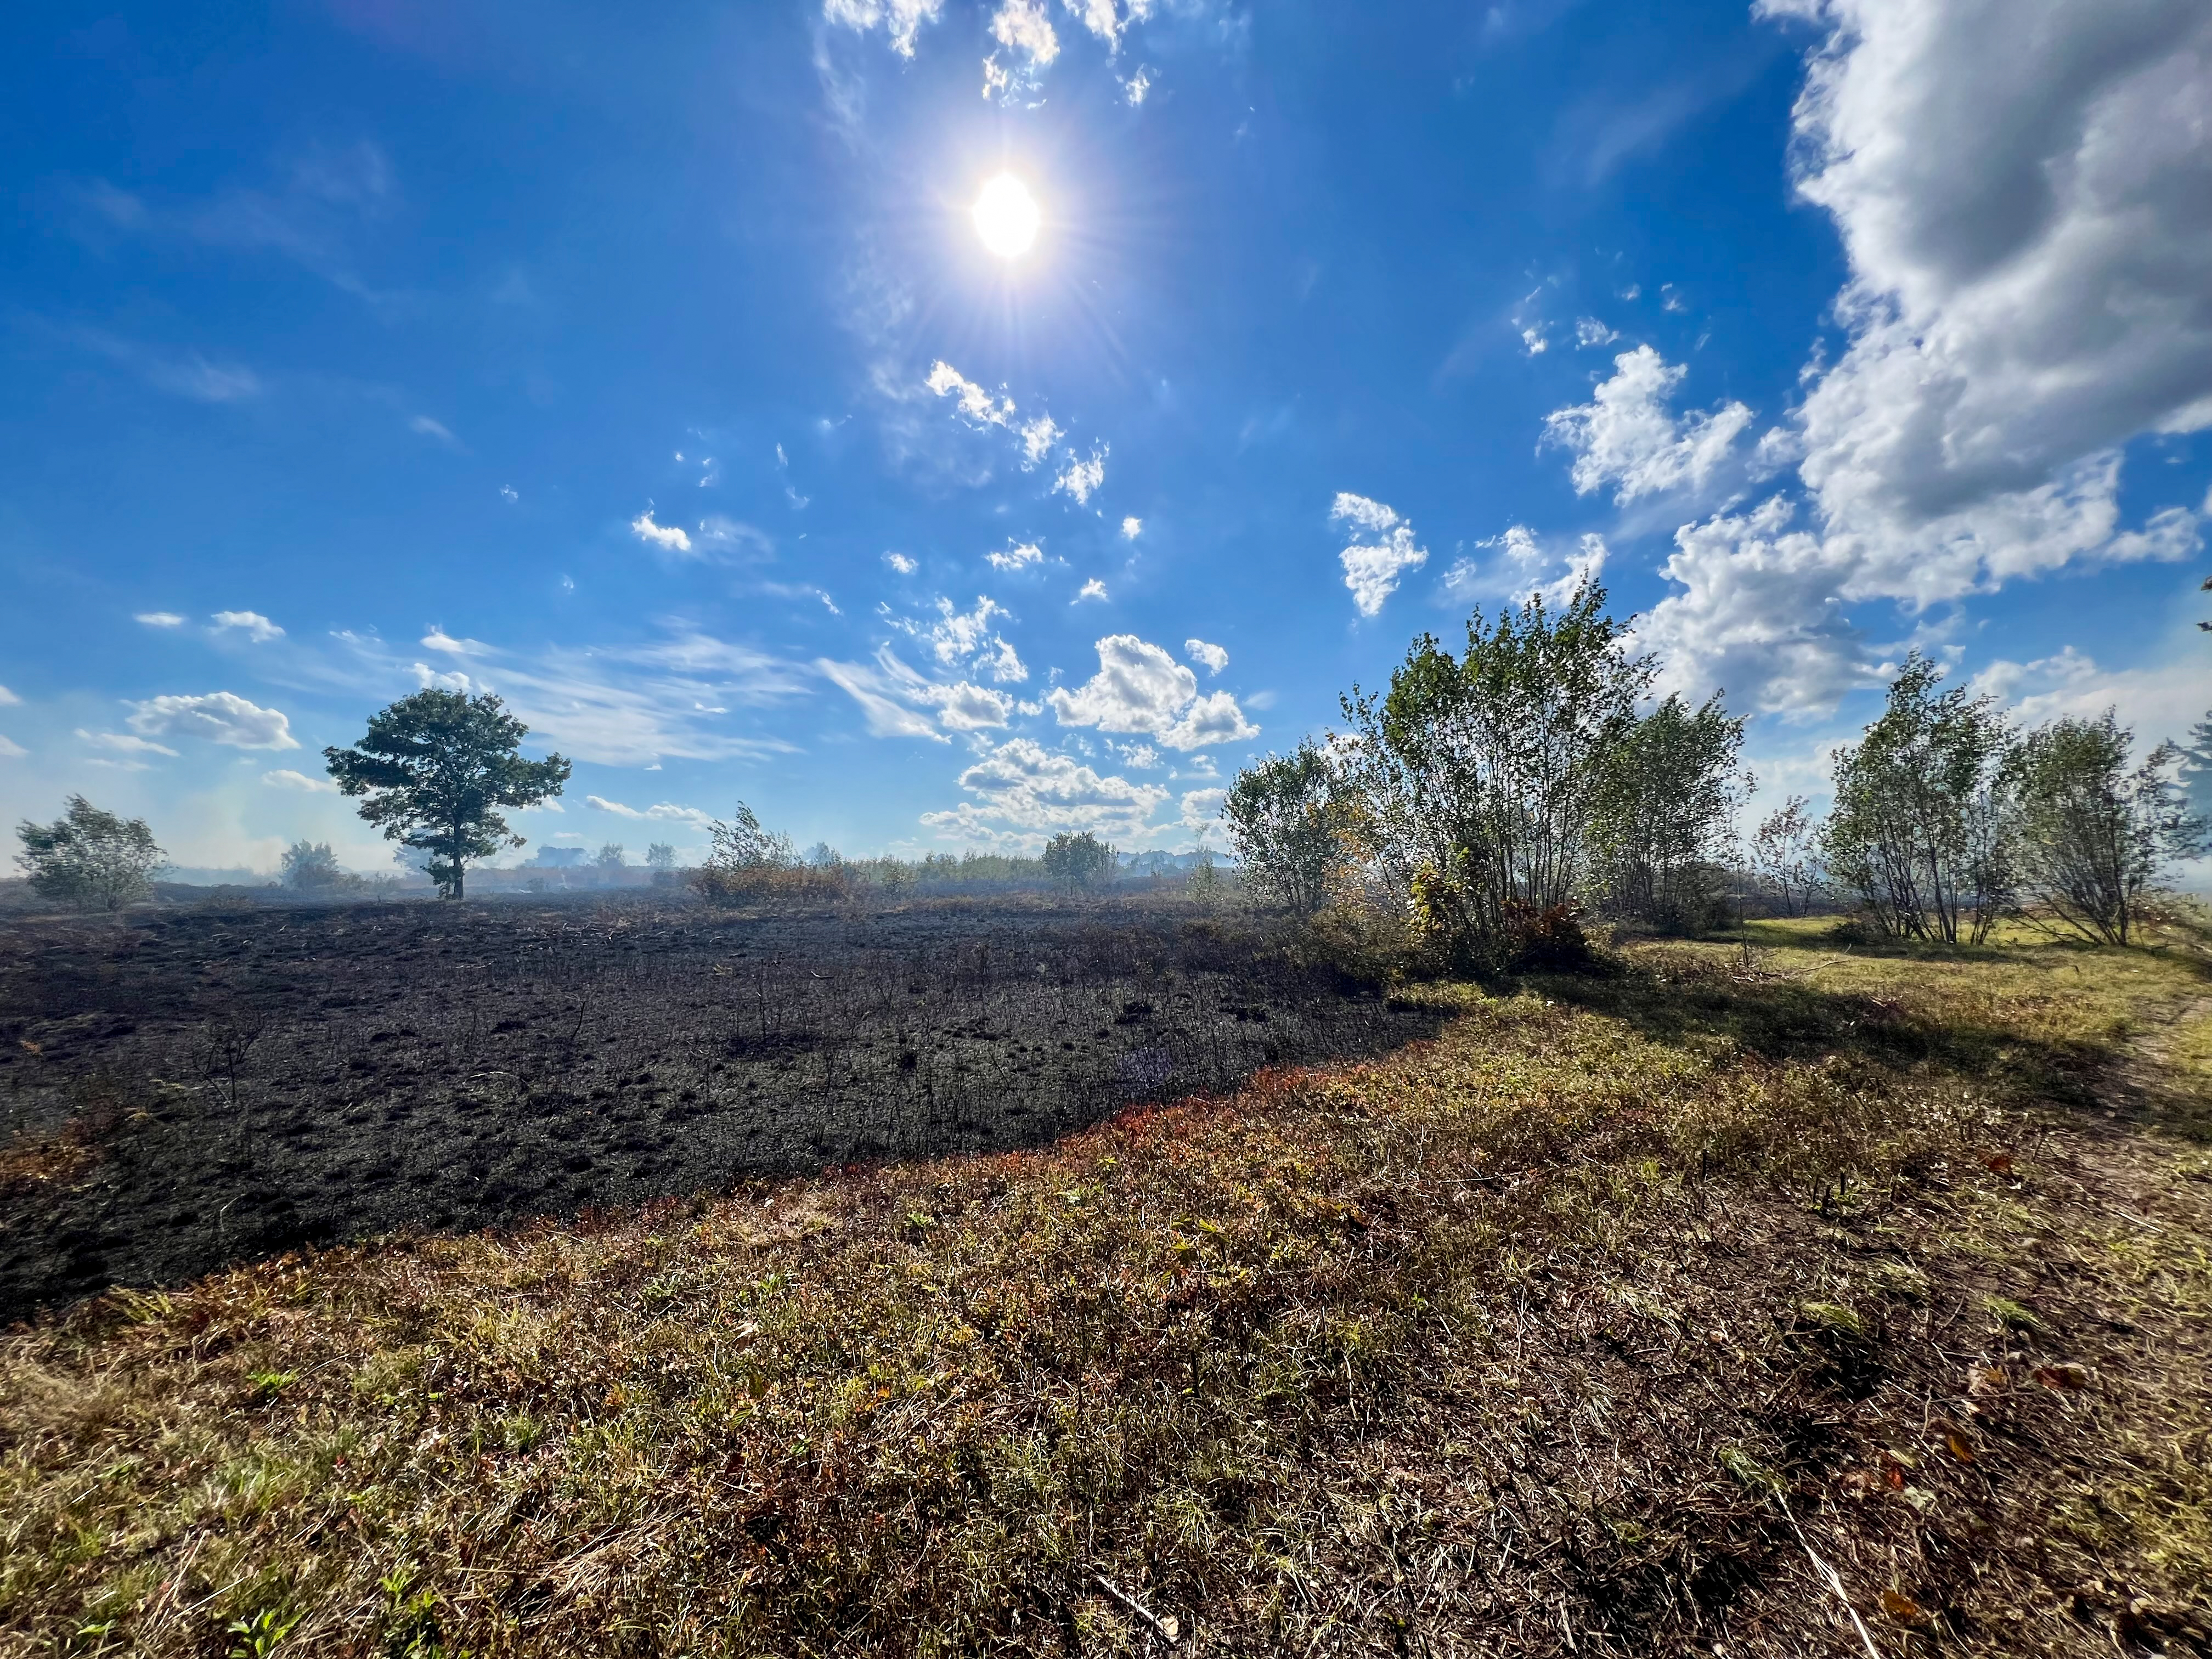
88	858
1484	805
1758	1296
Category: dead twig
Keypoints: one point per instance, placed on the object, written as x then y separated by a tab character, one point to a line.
1834	1579
1168	1629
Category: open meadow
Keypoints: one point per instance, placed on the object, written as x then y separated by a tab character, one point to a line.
1769	1296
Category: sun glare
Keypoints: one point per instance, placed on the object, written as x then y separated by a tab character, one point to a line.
1006	216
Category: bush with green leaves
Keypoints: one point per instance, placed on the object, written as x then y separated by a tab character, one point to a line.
94	860
1294	824
1481	776
434	770
1919	829
1661	815
2090	834
1077	862
312	867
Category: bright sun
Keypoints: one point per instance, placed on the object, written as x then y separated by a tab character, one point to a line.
1006	216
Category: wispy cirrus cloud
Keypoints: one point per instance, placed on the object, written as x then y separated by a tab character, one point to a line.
631	704
901	20
660	812
1034	437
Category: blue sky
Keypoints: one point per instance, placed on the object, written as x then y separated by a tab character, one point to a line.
647	367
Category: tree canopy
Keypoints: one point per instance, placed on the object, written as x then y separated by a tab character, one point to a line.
435	771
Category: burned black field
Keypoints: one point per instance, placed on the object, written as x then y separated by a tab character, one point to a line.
192	1088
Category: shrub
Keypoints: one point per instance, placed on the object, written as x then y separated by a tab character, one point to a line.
1918	829
92	858
750	863
312	867
1294	824
1660	813
1074	862
1481	776
2091	835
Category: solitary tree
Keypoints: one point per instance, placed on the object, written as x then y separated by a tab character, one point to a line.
310	866
661	856
1072	862
88	858
1292	823
435	769
610	856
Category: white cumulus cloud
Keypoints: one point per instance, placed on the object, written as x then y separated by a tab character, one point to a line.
252	624
1132	528
1014	556
1522	564
1373	567
957	637
1759	614
2024	194
1109	22
214	717
900	562
1626	436
669	537
159	619
1139	687
1215	657
2158	701
1027	44
974	402
1093	589
1038	436
1081	476
1023	793
1202	808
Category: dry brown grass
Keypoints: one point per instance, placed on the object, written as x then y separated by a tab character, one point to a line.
1577	1330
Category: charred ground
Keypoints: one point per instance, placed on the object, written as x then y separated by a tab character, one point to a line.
195	1087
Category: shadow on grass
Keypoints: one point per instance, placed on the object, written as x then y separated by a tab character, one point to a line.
2034	1043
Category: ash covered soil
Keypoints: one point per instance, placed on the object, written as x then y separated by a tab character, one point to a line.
190	1088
